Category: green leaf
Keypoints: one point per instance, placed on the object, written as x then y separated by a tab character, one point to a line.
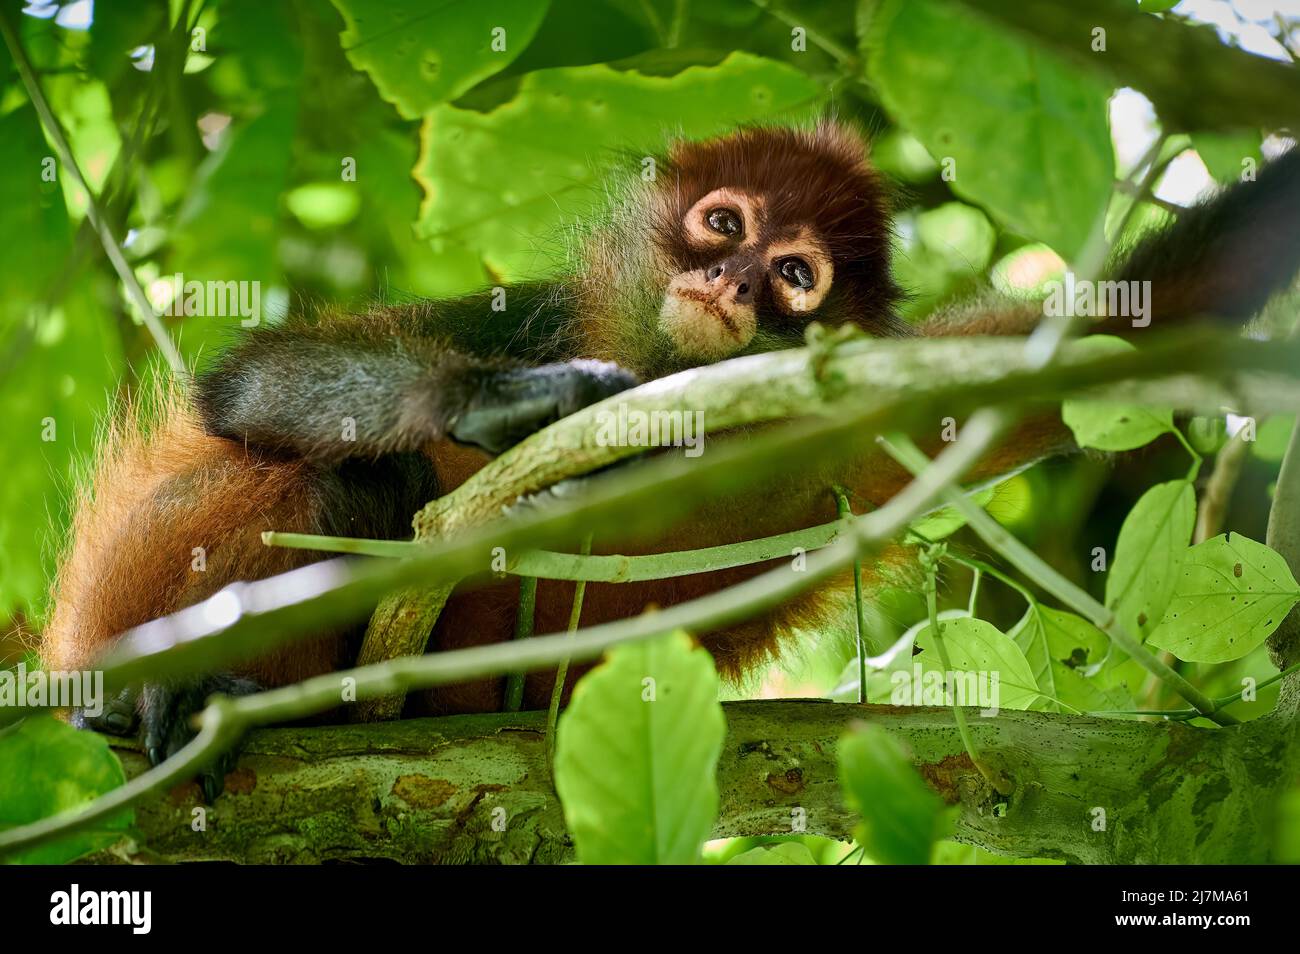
786	853
565	127
1231	593
901	818
1062	650
975	646
47	767
419	55
1028	133
636	759
1223	153
1152	542
1113	427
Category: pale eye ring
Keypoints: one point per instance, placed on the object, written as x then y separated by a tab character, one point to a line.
724	221
796	272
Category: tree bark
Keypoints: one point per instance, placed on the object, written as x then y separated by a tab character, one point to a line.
477	789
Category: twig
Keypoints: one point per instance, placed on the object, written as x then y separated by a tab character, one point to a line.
1038	570
403	674
930	560
562	670
93	211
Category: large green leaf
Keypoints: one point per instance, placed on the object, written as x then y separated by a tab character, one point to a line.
975	646
901	818
1151	544
47	767
1061	649
637	753
420	54
1231	593
562	128
60	354
1028	134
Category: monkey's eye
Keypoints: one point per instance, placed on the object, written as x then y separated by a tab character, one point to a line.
724	221
796	271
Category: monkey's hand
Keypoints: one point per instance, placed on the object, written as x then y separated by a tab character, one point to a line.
510	405
165	726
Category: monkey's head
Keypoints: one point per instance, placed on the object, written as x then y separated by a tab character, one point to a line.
749	238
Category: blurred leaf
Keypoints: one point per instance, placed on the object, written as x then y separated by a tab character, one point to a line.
1224	153
420	55
953	853
1231	593
1272	437
47	767
30	207
637	754
1152	543
53	399
787	853
229	227
323	205
901	818
960	233
564	126
1028	134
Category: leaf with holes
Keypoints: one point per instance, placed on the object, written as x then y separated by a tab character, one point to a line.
1231	593
1151	545
1061	648
420	54
637	753
1113	427
984	652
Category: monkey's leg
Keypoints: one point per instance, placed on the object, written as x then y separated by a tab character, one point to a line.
334	392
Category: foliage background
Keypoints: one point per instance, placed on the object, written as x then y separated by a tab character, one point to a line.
223	160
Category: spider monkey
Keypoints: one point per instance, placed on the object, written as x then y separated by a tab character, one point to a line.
737	244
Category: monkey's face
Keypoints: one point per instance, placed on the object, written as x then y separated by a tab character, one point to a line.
764	230
746	263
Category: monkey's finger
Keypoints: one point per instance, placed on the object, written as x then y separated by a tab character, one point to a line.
118	716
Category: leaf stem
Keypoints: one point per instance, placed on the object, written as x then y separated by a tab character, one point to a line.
930	558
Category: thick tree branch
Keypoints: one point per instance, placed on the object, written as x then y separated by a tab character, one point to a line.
428	790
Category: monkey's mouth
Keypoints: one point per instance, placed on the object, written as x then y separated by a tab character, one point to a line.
704	323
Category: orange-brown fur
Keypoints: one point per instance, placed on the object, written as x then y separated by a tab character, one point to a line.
160	492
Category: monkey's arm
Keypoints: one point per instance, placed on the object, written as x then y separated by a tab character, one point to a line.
372	386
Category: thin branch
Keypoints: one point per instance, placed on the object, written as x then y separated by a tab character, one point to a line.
1038	570
1218	489
93	211
231	717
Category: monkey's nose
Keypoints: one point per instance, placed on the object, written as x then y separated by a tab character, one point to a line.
744	294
